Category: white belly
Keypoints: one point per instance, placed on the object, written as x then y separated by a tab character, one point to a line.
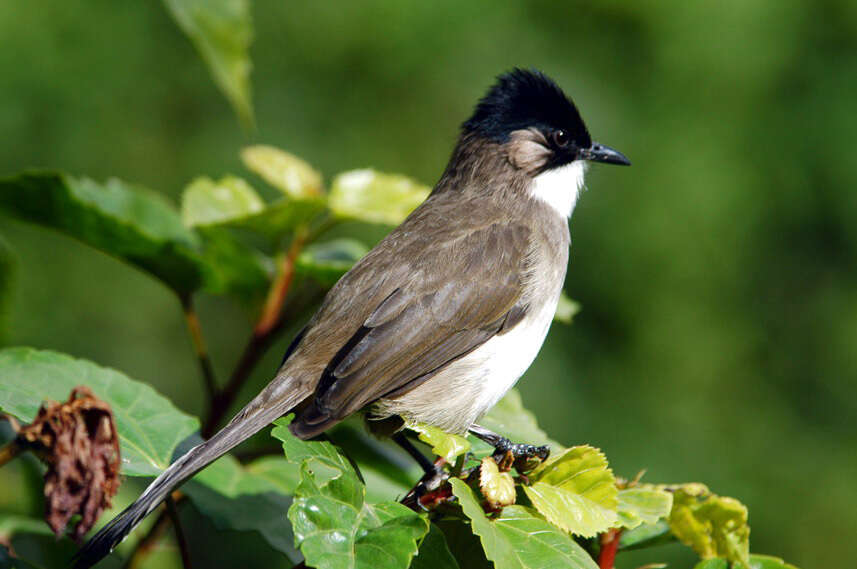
459	394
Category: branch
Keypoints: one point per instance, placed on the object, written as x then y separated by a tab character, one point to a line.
199	347
173	513
609	547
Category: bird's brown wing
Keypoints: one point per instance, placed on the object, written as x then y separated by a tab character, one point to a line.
459	293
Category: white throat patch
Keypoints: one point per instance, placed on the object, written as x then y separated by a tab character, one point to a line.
560	187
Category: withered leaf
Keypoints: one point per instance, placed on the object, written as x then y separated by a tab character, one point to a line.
78	442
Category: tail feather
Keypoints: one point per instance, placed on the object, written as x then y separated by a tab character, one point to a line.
265	408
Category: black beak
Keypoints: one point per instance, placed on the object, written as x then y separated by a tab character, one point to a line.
600	153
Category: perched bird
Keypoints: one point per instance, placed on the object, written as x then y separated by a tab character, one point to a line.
442	317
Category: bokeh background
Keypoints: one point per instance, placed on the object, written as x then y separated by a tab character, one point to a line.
717	276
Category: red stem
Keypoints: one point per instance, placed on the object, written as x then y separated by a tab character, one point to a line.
609	546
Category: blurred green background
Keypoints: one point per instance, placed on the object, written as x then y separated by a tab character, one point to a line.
718	275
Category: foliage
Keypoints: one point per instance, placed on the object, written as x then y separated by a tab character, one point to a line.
227	239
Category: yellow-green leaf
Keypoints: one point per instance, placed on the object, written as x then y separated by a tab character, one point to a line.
714	526
206	202
375	197
518	538
643	504
497	487
222	31
576	491
442	444
286	172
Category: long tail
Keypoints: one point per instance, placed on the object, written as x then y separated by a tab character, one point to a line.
278	398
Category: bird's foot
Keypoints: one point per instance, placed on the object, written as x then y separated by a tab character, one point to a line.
523	457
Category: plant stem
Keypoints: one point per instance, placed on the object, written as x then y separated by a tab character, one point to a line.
9	452
199	347
609	546
280	287
261	339
173	513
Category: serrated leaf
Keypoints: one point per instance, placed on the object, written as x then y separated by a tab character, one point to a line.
231	267
518	538
334	526
286	172
566	309
117	218
767	562
375	197
9	562
12	524
7	266
714	526
280	218
444	445
327	262
222	31
248	497
576	491
434	552
497	487
149	425
643	505
646	535
208	202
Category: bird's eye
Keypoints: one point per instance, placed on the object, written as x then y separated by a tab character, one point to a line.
561	138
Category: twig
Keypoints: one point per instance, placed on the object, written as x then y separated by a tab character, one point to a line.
144	547
609	547
280	287
9	452
199	347
172	511
253	351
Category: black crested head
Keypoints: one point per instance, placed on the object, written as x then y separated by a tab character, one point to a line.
526	98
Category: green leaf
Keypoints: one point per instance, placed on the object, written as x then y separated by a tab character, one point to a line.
768	562
643	505
248	497
7	267
231	267
714	526
434	552
9	562
206	202
269	474
334	526
149	425
222	31
280	218
518	538
497	487
576	491
712	564
127	222
286	172
566	309
756	562
375	197
646	535
11	525
444	445
327	262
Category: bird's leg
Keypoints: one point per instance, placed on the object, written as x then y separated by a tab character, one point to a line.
433	478
521	453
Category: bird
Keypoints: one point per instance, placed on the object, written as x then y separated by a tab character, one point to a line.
444	315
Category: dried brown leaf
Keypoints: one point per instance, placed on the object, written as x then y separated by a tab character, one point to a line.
77	440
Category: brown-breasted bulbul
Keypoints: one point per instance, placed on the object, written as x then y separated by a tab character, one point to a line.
442	317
